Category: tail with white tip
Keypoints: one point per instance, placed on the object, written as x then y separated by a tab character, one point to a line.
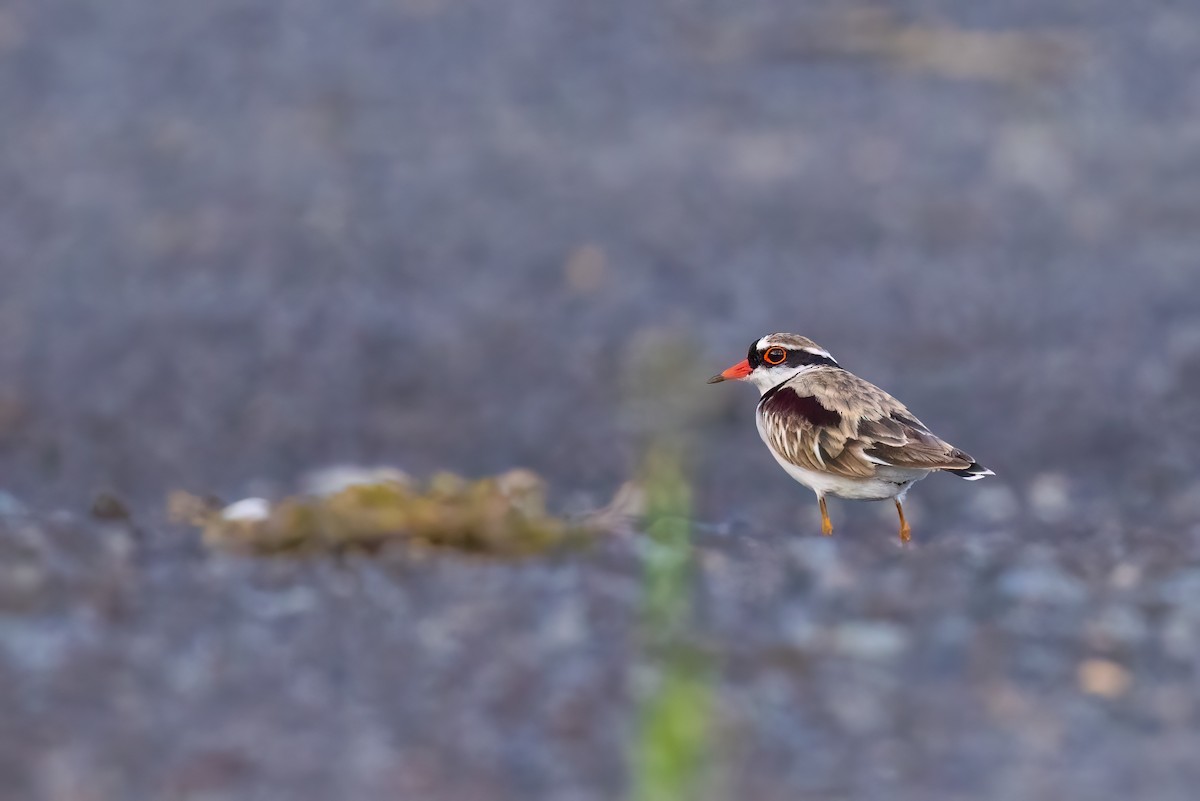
974	472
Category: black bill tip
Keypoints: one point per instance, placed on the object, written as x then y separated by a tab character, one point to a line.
716	379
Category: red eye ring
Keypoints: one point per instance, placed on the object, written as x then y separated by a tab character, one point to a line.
775	355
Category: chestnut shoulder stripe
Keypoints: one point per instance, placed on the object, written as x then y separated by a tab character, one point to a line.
786	402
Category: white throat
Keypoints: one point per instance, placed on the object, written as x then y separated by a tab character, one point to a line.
767	378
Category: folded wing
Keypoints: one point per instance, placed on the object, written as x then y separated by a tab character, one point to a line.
830	420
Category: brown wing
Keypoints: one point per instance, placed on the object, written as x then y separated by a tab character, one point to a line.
833	421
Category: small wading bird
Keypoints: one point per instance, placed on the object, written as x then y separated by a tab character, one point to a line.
838	434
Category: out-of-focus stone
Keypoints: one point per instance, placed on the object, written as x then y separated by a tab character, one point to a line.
586	269
869	640
107	506
856	709
20	580
995	503
1179	636
1183	590
1103	677
1125	576
564	626
247	510
799	629
1117	625
10	506
1042	583
1033	156
1183	343
1174	704
820	558
31	645
1185	505
1050	498
951	632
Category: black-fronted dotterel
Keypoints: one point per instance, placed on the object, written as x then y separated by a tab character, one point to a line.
838	434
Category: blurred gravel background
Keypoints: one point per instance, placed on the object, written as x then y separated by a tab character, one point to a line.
242	240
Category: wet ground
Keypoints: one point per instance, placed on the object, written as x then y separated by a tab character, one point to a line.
239	242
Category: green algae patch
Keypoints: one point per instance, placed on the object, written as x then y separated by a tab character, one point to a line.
503	515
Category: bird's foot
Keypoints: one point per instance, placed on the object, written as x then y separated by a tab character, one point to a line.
905	531
826	523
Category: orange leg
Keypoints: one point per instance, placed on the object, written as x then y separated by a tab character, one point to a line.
905	531
826	525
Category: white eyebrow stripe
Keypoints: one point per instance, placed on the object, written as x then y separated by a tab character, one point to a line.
818	352
762	343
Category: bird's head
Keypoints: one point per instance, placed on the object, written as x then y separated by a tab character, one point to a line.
776	358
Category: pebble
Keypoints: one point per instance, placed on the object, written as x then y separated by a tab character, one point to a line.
799	629
995	504
10	506
21	579
1117	625
1050	498
857	709
1185	505
247	510
32	645
1125	576
1103	678
870	640
1183	590
107	506
565	625
1042	584
586	269
1179	636
820	558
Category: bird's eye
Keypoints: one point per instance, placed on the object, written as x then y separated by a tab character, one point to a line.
775	356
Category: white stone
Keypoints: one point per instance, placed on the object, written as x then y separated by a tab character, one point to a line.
247	510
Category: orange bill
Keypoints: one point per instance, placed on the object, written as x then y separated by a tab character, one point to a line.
735	373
